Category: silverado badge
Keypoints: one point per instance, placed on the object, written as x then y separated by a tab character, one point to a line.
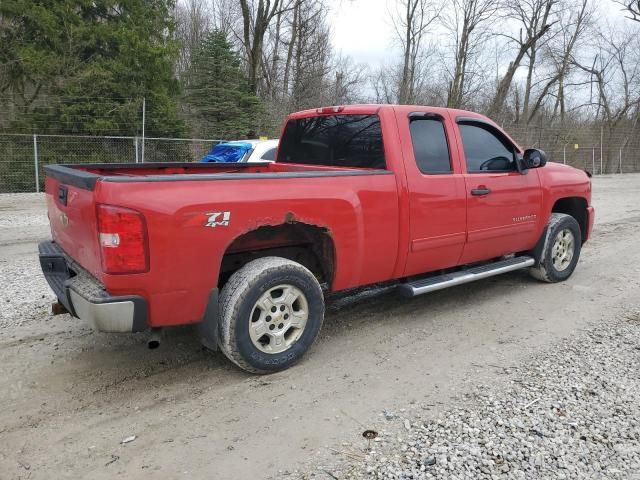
525	218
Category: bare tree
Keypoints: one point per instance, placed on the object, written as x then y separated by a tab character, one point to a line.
311	57
194	19
632	8
225	16
271	57
615	73
542	71
346	85
533	16
464	23
412	23
192	24
384	82
561	51
291	46
256	18
300	69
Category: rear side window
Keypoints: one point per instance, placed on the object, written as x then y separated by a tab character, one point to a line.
430	146
485	151
334	140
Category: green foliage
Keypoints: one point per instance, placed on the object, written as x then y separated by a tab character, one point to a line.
31	45
217	91
96	59
17	169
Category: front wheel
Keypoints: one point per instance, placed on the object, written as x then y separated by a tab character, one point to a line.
561	251
271	311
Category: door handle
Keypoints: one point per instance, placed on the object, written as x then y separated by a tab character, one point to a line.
482	190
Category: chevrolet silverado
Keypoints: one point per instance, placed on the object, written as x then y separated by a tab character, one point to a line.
422	197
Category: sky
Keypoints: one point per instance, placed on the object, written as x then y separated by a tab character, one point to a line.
363	30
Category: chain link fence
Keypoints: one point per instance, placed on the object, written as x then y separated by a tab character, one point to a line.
593	147
622	160
23	157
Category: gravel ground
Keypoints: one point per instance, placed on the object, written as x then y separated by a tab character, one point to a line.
25	302
24	293
69	396
570	412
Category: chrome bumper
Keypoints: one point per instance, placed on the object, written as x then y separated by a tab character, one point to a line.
86	298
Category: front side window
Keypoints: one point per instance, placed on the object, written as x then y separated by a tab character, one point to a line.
484	151
430	146
333	140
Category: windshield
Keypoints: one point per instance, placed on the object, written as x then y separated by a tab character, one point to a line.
333	140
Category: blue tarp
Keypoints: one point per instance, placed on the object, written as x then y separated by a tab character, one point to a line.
227	152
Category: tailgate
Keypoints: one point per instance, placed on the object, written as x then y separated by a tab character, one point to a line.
72	215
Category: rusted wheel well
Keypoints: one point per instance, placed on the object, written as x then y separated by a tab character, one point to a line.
577	208
309	245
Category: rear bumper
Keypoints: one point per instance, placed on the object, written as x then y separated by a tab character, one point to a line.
86	298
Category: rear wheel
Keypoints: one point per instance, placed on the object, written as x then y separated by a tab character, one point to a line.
561	250
271	311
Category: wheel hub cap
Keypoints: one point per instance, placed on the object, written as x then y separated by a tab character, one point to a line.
278	319
563	250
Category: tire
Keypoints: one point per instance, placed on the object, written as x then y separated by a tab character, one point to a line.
247	304
561	251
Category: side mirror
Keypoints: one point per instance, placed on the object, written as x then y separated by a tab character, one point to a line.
534	158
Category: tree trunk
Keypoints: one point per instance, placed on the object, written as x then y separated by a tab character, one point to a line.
273	72
254	40
504	85
292	42
528	86
456	87
404	79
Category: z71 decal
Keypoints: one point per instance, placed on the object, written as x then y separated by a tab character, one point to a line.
218	219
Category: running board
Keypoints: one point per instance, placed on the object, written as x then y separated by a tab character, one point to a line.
472	274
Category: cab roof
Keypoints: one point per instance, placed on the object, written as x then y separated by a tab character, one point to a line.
373	108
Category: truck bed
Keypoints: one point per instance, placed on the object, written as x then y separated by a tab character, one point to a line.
178	201
86	176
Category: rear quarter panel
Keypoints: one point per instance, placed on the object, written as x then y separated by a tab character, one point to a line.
360	212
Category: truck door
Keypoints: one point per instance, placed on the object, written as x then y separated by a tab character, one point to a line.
503	203
436	189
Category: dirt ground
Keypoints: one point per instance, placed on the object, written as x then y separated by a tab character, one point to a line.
69	396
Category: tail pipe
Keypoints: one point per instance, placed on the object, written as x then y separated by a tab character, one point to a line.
154	339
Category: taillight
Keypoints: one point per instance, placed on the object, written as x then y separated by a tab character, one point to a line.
122	234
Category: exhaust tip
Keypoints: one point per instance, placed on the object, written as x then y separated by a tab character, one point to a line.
154	340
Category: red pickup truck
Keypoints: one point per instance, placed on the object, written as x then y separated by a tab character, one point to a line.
420	196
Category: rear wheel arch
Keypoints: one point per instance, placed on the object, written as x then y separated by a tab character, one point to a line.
309	245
